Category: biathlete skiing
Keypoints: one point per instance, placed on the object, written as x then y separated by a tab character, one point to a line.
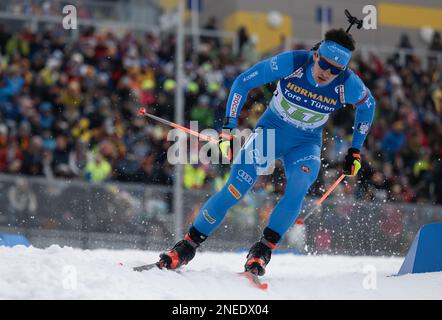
311	85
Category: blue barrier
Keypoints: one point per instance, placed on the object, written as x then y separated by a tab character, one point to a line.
425	253
10	240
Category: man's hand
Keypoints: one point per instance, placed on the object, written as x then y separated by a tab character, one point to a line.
352	162
226	148
225	143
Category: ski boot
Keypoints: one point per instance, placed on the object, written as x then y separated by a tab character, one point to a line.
260	253
182	252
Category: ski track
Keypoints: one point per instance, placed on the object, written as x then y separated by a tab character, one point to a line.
31	273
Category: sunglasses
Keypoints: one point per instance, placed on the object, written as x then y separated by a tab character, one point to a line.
325	65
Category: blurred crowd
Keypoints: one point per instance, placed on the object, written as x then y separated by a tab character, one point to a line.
69	109
89	10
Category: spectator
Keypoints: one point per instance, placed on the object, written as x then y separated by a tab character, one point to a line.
194	176
18	43
393	141
10	84
212	25
202	113
404	42
249	53
98	169
243	37
4	37
78	158
405	45
11	157
436	42
33	157
61	157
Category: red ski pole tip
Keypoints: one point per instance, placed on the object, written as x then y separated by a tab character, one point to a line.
141	111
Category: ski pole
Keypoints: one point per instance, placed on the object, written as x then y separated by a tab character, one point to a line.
142	112
319	202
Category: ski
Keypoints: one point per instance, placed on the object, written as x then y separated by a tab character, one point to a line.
254	280
147	267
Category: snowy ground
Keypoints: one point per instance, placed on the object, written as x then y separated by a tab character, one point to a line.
66	273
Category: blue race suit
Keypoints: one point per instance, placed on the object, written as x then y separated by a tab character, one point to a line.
297	112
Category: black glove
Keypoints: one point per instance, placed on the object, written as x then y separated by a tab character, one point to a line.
352	162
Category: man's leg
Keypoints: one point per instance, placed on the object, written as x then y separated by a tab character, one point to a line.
212	213
243	176
302	166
